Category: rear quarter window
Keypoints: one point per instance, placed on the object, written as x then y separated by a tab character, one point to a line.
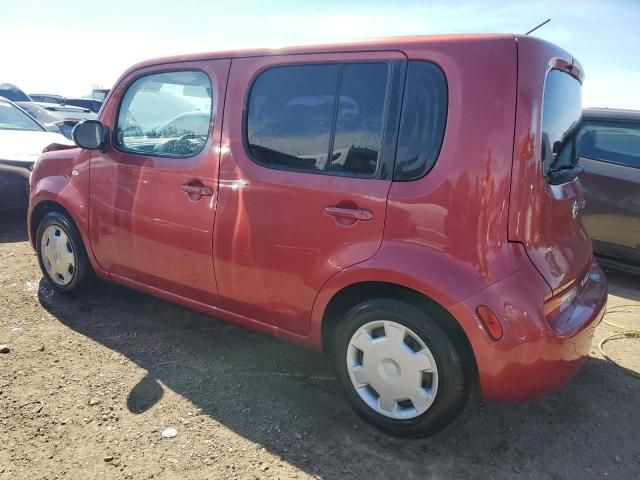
422	123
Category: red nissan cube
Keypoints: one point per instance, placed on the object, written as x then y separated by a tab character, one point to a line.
410	206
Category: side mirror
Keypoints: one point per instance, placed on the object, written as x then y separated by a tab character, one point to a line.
90	134
564	175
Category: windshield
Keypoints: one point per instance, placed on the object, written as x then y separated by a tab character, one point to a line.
12	118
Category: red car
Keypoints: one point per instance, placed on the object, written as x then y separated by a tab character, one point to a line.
410	206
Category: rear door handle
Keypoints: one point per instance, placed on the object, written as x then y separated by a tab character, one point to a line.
359	214
201	190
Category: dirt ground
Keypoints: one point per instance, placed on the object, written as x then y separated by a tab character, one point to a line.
90	383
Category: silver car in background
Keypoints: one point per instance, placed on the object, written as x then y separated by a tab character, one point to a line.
22	139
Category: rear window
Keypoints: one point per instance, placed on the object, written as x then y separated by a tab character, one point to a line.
614	142
561	115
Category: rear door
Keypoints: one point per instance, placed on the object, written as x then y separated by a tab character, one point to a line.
610	155
544	214
305	171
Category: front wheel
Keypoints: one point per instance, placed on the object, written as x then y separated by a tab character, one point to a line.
61	254
400	369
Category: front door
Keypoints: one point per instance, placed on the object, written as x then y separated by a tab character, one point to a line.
305	171
154	191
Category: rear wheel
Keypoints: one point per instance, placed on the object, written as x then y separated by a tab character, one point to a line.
400	370
61	253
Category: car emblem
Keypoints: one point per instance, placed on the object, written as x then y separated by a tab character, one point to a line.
584	280
575	208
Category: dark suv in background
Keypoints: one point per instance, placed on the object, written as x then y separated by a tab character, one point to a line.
610	155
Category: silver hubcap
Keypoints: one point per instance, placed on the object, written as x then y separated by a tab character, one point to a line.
392	369
58	256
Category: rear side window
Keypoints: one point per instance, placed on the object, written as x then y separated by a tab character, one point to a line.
165	114
561	115
422	124
615	142
319	118
359	119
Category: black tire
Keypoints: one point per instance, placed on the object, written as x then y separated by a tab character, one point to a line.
82	273
454	380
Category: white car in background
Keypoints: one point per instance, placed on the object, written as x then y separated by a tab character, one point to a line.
22	140
57	118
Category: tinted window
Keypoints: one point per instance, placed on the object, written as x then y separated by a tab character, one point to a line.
155	101
300	116
616	142
12	118
424	114
290	116
359	117
561	114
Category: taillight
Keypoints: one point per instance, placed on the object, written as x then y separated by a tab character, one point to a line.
490	321
557	304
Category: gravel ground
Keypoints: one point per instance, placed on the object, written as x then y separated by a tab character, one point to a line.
89	384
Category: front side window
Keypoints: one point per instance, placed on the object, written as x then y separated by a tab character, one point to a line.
319	118
615	142
561	115
166	114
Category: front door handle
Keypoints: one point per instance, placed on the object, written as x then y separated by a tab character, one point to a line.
356	214
197	190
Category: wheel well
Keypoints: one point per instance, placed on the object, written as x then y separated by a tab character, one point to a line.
40	211
359	292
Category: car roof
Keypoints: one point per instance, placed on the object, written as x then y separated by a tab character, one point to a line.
611	114
388	43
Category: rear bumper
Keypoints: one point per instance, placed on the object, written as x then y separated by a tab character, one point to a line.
532	358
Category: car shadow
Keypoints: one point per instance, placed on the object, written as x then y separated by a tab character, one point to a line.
13	227
285	398
624	285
